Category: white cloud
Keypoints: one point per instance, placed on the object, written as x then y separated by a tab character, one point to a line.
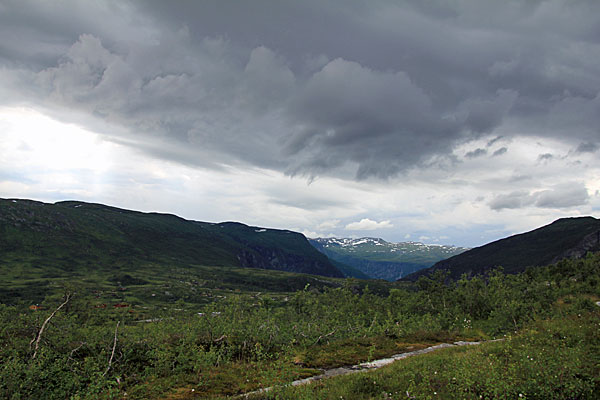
328	225
366	224
310	234
313	235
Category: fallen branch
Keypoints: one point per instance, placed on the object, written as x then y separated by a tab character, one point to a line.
324	336
39	335
81	344
113	350
219	339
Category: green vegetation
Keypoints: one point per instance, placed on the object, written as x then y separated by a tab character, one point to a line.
554	359
42	244
158	347
98	302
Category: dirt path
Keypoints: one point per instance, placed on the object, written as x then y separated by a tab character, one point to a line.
366	366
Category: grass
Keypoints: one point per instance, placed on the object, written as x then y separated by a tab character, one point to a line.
552	359
27	278
354	351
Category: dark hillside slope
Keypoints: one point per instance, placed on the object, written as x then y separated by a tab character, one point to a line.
564	238
69	236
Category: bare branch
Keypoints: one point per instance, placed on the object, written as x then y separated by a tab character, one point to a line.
113	350
39	335
81	344
219	339
324	336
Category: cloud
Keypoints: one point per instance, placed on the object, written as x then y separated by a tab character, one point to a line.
511	200
499	152
491	142
562	196
349	113
545	157
587	147
313	235
305	96
366	224
476	153
328	225
565	195
483	115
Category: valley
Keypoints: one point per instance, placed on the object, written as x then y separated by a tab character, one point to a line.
99	302
379	259
299	200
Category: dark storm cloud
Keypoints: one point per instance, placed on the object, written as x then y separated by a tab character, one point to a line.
362	89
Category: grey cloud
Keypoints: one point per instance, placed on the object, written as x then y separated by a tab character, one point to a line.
493	141
587	147
347	112
483	115
299	199
577	115
545	157
520	178
476	153
564	195
511	200
309	203
206	104
372	91
267	79
499	152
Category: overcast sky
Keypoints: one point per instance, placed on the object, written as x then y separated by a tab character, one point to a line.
450	121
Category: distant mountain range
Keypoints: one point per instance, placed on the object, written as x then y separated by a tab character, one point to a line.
564	238
73	235
379	259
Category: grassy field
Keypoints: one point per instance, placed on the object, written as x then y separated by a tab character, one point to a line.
550	359
191	340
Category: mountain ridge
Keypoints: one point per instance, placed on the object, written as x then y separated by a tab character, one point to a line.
571	237
79	234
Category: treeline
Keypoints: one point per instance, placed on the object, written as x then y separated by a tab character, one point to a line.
86	352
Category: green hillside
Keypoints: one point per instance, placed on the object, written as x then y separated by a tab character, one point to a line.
349	271
42	242
564	238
